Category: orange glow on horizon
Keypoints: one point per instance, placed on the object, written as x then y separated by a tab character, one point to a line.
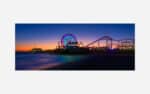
52	45
30	46
42	45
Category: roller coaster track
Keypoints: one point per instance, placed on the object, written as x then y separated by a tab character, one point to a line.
121	43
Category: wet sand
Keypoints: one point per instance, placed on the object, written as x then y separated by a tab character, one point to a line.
99	62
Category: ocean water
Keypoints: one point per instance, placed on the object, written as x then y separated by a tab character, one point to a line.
28	61
42	61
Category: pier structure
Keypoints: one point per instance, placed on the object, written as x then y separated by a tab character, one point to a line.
104	42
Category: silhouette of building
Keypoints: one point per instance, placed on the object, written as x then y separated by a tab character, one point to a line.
36	50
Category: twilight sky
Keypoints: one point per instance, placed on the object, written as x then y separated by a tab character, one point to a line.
46	36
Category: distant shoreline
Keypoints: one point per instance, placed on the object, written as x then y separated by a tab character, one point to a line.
100	52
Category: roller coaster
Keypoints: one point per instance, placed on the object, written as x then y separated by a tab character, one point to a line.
103	42
109	42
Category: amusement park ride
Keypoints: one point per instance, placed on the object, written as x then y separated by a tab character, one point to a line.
70	41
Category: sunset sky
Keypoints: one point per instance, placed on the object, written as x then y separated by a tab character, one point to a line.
46	36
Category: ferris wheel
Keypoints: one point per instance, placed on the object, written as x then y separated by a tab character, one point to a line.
68	38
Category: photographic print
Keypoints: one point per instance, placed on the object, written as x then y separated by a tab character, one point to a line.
75	46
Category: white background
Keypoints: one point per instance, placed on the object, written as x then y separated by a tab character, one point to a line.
74	82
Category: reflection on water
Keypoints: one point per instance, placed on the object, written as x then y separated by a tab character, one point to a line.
41	61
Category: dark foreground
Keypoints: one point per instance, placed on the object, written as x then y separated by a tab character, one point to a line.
116	60
97	62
